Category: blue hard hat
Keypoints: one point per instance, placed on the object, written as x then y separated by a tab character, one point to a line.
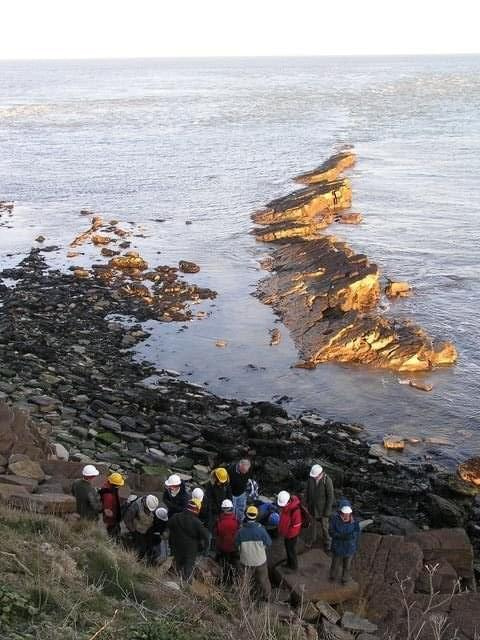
273	519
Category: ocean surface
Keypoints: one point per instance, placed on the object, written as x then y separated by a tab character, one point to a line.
209	141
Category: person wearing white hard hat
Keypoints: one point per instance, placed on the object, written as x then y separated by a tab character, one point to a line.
175	496
89	504
344	531
290	526
319	498
138	519
198	493
225	531
157	537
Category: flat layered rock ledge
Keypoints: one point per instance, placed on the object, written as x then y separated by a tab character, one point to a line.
328	295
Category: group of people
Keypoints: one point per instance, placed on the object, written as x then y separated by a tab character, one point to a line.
225	518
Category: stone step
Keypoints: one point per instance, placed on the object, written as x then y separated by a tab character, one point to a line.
311	584
53	503
29	483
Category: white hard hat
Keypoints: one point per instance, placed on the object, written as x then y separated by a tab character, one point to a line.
161	513
346	509
131	498
151	502
90	471
316	470
197	493
282	498
227	504
173	481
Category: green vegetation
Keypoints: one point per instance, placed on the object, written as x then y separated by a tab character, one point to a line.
67	581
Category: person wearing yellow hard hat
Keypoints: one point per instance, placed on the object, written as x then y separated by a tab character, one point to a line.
111	504
216	491
252	542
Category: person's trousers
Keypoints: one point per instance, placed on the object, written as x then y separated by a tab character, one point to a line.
239	506
185	563
319	532
341	566
291	551
258	576
140	543
113	531
229	564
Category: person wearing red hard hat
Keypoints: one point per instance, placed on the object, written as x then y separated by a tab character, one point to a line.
89	505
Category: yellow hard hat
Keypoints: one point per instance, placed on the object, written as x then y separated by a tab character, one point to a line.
221	475
116	479
252	512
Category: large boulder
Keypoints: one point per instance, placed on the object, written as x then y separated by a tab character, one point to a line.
450	545
19	435
27	469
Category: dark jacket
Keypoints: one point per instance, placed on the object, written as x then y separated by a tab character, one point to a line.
178	503
344	534
111	502
226	529
89	504
238	481
187	534
320	497
156	532
215	494
290	524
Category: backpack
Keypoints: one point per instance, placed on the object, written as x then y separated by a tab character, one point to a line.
306	516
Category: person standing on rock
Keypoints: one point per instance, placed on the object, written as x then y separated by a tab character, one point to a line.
226	529
175	496
252	541
89	505
112	514
138	519
320	497
239	476
216	491
290	526
187	537
344	531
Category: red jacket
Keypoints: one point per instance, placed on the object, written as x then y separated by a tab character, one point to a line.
111	502
290	523
226	530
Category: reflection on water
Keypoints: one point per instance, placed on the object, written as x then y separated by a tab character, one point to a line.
208	142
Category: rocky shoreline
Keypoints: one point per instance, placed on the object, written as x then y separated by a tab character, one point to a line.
327	294
71	366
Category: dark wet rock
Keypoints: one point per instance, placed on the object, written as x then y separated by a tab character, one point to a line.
445	512
188	267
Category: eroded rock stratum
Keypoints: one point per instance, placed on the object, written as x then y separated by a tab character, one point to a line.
327	294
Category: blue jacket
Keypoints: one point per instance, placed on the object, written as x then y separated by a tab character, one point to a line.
252	541
344	534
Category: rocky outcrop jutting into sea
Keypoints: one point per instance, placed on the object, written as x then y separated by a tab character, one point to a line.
328	295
